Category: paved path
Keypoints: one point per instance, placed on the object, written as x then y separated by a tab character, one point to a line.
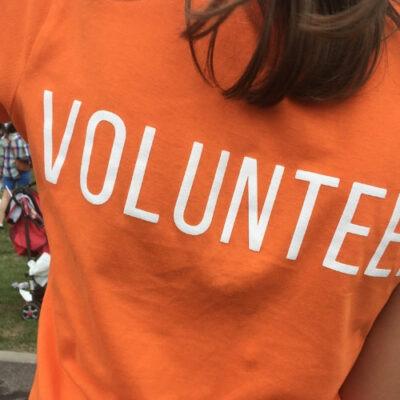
16	375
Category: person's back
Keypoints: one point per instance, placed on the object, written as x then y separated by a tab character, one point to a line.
202	248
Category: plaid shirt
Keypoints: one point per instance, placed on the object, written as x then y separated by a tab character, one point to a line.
12	147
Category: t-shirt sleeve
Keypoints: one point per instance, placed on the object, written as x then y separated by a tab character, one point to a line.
22	149
20	23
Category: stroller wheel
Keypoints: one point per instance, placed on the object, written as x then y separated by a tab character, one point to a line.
30	311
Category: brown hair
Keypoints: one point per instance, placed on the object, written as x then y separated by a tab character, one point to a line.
307	49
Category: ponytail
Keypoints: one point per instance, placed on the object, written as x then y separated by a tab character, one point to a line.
314	50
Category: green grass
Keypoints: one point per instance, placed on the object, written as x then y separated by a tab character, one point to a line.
15	333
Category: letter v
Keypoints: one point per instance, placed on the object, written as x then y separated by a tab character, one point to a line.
52	171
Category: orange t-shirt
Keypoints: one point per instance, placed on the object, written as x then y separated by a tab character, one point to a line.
201	248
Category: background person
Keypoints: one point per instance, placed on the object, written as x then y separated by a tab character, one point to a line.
12	148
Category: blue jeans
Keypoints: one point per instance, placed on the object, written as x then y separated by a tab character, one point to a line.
24	179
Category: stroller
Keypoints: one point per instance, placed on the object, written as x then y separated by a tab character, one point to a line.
29	238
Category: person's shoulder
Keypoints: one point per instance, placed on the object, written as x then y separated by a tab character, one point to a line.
20	140
14	137
20	22
9	4
17	137
22	17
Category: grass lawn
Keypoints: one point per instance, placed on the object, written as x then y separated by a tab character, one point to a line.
15	333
